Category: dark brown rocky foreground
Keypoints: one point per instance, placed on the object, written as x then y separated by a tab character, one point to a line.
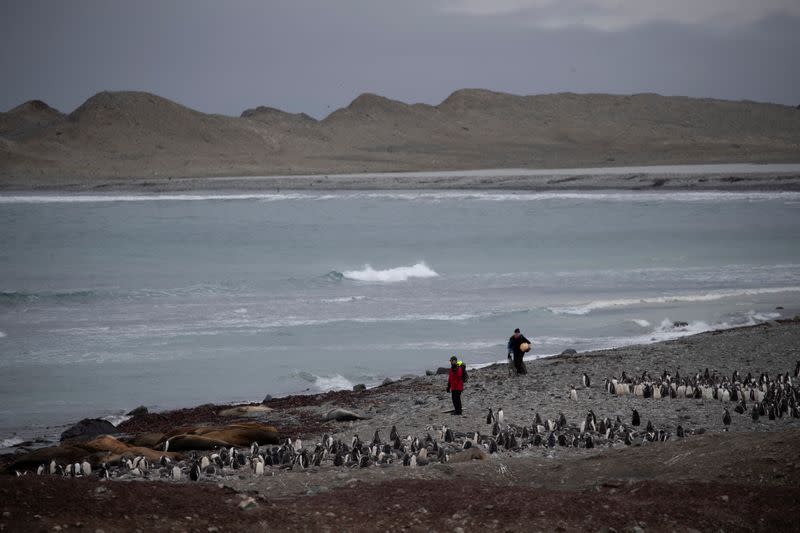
720	482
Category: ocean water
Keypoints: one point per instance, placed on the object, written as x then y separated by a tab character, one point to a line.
109	302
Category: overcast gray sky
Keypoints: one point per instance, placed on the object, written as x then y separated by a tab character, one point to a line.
316	55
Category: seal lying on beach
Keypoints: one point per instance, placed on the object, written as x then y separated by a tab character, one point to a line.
210	437
342	415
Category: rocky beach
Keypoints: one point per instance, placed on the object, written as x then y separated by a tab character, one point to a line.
551	463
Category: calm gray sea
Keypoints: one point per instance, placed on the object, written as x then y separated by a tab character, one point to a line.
109	302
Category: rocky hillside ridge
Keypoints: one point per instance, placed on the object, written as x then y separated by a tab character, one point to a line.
135	134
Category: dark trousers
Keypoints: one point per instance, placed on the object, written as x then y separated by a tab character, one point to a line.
519	365
456	401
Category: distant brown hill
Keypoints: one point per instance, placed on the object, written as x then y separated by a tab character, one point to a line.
120	135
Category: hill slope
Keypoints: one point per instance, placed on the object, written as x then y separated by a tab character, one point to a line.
119	135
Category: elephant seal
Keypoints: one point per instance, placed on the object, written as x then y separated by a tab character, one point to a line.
342	415
470	454
245	410
107	443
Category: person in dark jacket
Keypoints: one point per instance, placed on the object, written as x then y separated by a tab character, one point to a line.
514	350
455	383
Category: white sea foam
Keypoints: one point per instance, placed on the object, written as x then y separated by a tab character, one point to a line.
710	296
2	334
116	419
343	299
391	275
11	441
334	382
640	322
431	196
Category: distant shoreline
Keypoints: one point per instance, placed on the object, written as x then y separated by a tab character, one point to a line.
712	177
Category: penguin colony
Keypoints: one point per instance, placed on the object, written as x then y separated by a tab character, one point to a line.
772	398
438	445
758	397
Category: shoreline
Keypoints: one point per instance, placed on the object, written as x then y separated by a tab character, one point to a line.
307	396
703	177
638	485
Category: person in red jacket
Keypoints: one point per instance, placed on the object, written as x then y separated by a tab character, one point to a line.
455	383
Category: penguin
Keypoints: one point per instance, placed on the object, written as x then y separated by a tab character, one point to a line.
573	394
628	438
492	446
537	440
586	381
589	441
679	431
754	414
176	473
204	462
40	470
86	468
194	472
650	427
562	440
376	438
104	473
448	435
635	419
726	419
562	420
551	440
500	416
52	467
490	417
537	420
393	433
298	445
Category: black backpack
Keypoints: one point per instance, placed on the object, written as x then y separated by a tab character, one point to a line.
464	375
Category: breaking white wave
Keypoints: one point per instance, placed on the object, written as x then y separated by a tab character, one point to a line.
116	419
11	441
640	322
710	296
326	383
391	275
343	299
417	196
2	334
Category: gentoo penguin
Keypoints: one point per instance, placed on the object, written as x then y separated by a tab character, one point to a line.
586	381
562	420
104	473
52	466
754	413
679	431
176	473
393	433
298	445
650	427
551	440
86	468
194	472
589	441
376	438
40	470
448	435
726	419
573	394
490	417
204	462
635	420
492	446
500	416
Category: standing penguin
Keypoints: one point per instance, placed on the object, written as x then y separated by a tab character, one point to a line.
500	416
726	419
490	417
573	394
586	381
635	420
